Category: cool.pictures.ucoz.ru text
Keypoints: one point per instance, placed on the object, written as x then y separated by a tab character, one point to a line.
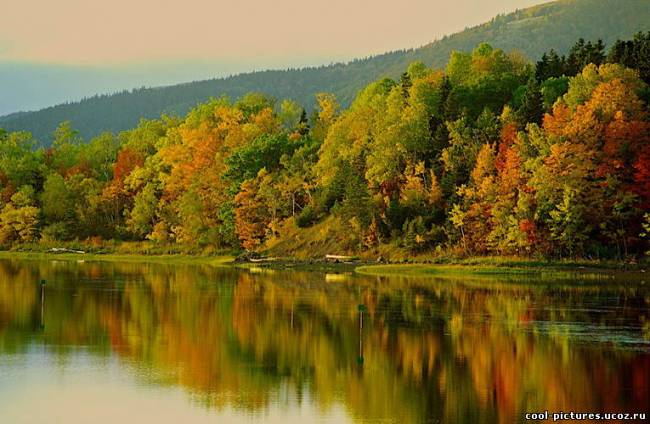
561	416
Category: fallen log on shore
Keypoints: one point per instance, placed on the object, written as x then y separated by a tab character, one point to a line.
263	259
341	258
64	250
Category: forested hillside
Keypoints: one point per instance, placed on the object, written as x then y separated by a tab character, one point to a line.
532	31
494	155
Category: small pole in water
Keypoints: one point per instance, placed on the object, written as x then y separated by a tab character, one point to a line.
43	283
361	309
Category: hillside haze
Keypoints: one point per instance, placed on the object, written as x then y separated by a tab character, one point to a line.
532	31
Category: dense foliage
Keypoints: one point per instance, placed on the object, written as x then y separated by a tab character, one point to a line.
481	158
530	31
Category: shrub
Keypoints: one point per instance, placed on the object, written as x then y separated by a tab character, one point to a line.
307	217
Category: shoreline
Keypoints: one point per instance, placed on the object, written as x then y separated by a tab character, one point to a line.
467	266
220	260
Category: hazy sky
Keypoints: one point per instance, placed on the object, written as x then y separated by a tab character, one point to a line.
58	50
128	31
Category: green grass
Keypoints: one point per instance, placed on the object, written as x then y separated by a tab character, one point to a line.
122	247
324	238
484	276
507	268
219	260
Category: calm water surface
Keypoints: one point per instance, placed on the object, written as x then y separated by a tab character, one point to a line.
151	343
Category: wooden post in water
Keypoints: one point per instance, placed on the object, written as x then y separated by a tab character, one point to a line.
361	309
43	283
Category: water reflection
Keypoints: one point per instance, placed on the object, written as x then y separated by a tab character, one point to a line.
344	347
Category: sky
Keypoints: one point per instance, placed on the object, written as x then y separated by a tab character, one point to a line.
58	50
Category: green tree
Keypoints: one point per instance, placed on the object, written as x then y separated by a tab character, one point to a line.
57	200
553	89
142	218
265	151
532	104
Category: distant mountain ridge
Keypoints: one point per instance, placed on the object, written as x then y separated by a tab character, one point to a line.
532	30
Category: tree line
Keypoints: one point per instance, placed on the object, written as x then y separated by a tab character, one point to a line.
492	155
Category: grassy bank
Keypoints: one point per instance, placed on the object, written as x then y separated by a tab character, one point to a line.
506	266
432	264
116	247
219	260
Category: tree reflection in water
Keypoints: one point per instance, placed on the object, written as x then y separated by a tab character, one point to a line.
455	350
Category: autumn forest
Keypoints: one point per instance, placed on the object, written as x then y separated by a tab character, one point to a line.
494	155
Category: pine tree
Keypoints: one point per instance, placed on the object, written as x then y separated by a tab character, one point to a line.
633	54
406	83
303	123
541	68
574	60
532	103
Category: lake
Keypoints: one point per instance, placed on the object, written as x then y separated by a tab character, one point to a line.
104	342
